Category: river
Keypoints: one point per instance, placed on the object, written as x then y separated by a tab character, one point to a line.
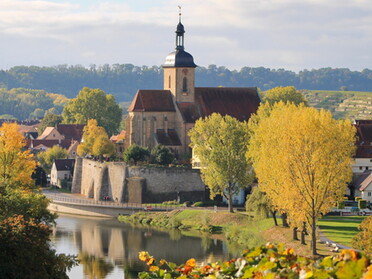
109	249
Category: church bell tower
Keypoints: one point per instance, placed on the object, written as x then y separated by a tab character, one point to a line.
179	69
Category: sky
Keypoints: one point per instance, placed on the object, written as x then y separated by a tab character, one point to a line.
289	34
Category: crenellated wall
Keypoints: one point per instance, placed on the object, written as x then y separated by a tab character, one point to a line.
125	183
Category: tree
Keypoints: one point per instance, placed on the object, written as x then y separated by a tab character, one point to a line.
48	157
220	142
362	240
24	216
285	94
16	166
135	153
302	158
95	141
161	155
49	120
260	204
93	104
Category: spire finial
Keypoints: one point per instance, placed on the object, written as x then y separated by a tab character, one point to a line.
179	13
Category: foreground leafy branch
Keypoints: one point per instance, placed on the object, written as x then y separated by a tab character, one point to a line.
269	262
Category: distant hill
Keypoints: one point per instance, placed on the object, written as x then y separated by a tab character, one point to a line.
123	80
343	104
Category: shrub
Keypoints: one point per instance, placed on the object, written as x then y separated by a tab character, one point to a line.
205	203
264	262
340	205
362	204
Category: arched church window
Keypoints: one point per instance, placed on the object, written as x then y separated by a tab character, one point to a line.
169	82
184	85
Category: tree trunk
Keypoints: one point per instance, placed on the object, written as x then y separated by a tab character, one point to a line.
231	209
303	233
294	230
284	220
273	212
313	235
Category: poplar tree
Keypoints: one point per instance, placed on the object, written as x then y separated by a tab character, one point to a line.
220	143
302	158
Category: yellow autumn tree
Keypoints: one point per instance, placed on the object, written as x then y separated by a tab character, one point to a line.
16	165
95	141
302	158
220	143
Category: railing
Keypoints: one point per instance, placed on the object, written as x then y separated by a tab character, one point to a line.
58	198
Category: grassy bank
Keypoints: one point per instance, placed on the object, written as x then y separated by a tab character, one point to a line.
240	230
340	229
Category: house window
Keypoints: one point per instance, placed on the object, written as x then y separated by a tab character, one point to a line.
360	168
369	194
366	168
184	85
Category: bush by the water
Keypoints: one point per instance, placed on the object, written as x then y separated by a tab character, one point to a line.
268	262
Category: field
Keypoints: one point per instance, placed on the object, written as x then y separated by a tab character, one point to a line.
340	229
343	104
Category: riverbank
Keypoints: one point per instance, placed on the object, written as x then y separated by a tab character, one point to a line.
239	229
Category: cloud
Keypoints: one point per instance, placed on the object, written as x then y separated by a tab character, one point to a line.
235	33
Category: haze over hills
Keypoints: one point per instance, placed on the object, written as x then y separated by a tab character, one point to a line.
333	89
123	80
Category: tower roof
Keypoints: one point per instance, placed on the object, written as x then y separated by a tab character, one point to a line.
179	57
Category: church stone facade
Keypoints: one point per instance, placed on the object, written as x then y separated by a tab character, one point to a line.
165	116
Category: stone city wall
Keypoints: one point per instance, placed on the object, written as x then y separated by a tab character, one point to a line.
120	182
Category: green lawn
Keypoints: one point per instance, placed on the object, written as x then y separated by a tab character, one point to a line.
340	229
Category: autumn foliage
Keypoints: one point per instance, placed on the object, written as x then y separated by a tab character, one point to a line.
266	261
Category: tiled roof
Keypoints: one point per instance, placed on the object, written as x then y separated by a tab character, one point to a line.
27	129
64	164
167	138
364	138
49	143
71	131
152	100
239	102
363	181
46	132
119	137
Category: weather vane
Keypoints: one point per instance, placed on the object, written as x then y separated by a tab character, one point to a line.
179	12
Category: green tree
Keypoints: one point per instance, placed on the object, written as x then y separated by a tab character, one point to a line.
302	158
161	155
48	157
220	142
94	104
259	203
362	240
136	154
49	120
285	94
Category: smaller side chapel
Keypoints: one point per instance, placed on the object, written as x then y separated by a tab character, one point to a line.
165	116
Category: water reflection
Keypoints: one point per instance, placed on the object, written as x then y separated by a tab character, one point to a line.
109	249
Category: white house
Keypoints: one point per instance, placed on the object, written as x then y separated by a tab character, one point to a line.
62	169
365	186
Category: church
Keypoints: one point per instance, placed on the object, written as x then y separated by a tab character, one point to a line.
165	116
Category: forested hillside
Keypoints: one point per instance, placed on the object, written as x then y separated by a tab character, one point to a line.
123	80
21	103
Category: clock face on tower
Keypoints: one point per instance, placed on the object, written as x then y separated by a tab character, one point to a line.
185	71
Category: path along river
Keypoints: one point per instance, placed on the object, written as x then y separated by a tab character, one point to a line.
109	249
